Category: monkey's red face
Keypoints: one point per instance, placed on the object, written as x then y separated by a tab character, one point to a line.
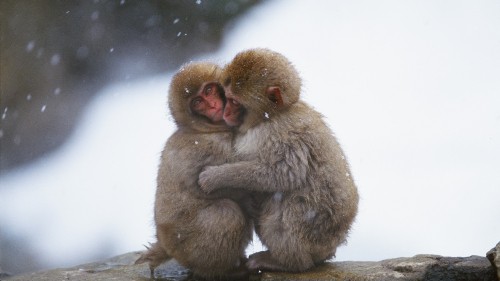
233	111
209	102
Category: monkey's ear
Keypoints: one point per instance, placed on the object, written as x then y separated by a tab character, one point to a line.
274	95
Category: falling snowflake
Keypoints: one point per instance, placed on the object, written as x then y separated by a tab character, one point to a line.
95	15
278	196
55	59
30	46
309	215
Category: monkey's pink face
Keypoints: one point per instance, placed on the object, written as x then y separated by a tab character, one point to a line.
233	111
209	102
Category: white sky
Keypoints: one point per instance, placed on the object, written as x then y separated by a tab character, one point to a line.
411	88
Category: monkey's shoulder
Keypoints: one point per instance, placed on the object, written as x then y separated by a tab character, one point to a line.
299	133
300	123
194	145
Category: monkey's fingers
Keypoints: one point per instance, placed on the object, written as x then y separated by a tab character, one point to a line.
204	182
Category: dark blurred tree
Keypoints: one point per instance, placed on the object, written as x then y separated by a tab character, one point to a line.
16	254
55	55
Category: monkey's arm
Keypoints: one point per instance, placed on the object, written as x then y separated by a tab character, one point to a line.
252	175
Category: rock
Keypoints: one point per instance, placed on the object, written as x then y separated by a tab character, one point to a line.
420	267
3	274
118	268
494	256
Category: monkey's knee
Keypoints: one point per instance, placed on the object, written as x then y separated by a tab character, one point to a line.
227	225
228	207
286	252
223	213
214	243
296	261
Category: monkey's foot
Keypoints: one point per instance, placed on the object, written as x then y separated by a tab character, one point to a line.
263	261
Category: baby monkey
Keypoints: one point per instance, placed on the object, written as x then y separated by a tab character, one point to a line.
284	148
207	234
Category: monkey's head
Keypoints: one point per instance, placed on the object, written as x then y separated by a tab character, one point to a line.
258	84
196	99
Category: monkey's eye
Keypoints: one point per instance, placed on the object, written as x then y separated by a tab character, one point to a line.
234	102
196	103
209	89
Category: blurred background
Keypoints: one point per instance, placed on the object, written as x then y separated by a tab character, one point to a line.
411	89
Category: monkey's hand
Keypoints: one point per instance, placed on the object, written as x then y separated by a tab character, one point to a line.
208	178
249	175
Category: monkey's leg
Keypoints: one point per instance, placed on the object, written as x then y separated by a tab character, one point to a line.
219	236
284	236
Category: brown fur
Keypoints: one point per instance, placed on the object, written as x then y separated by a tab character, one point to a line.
206	234
287	150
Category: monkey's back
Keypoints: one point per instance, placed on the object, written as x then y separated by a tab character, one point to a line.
206	234
183	158
319	200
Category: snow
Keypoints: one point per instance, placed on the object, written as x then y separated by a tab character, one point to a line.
30	46
278	196
411	89
97	190
95	15
55	59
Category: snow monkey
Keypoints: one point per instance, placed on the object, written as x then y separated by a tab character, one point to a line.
283	147
207	234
